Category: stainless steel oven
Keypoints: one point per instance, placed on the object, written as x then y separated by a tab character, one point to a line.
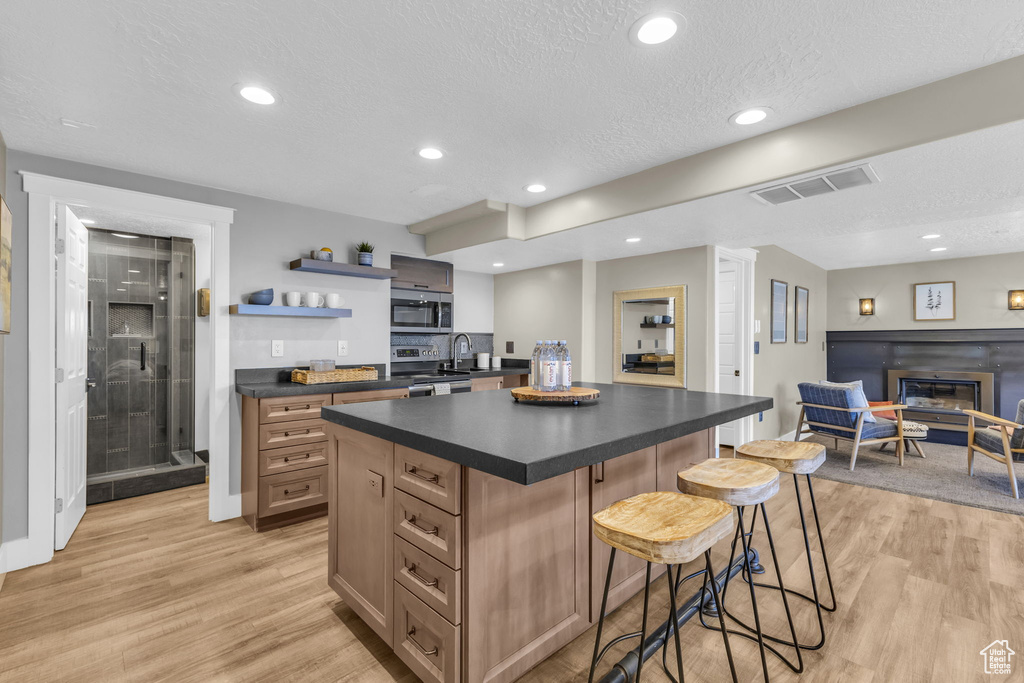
417	312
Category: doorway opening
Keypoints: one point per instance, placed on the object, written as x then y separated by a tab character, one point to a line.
140	433
733	335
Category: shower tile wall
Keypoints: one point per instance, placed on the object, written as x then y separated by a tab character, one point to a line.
129	416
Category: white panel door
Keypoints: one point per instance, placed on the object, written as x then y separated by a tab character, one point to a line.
728	380
72	368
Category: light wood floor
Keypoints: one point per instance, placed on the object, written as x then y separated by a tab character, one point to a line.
148	590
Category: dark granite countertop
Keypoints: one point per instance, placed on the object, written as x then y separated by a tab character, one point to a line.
527	443
281	386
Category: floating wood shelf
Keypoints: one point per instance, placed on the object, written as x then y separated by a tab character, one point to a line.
290	311
309	265
658	326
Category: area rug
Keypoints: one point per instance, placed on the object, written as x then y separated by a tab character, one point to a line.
942	475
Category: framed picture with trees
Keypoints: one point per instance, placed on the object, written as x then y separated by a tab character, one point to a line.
935	301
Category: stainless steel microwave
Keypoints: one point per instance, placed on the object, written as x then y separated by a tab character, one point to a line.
417	312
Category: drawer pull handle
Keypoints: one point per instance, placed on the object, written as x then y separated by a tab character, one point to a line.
302	490
432	531
304	456
304	431
412	572
291	408
433	478
429	653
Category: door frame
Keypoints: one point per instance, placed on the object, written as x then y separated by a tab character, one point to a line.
745	260
44	193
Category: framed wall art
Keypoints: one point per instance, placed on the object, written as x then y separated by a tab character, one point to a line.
801	299
780	302
935	301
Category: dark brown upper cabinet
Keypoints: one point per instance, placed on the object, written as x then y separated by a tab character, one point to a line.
422	274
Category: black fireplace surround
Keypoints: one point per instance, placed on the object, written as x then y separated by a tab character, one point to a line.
941	370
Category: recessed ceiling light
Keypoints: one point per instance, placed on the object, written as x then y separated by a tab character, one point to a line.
655	28
930	237
256	94
536	187
939	249
431	153
497	265
632	239
749	116
87	221
125	235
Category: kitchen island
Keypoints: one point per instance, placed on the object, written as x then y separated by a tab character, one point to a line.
460	526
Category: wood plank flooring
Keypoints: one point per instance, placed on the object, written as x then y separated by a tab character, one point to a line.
149	590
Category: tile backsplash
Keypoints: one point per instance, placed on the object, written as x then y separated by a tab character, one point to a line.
482	343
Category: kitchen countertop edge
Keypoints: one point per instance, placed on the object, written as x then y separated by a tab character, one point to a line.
276	389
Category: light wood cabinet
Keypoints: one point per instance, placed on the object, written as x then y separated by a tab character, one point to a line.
487	383
470	577
285	452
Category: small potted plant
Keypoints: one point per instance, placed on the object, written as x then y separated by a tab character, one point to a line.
364	250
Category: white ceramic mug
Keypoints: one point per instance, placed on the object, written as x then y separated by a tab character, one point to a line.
495	362
334	300
314	300
293	298
483	360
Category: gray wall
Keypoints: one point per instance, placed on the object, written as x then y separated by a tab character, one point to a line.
981	286
3	338
266	234
778	368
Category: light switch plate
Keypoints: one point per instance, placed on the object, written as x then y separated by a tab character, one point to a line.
757	327
277	348
342	347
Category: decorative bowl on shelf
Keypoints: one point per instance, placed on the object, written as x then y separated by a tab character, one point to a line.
323	254
264	297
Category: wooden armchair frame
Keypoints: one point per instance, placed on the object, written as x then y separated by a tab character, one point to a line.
1004	427
855	433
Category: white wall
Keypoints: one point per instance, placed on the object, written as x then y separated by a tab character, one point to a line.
474	303
266	235
981	286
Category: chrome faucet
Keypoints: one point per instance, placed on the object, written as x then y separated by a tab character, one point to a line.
455	348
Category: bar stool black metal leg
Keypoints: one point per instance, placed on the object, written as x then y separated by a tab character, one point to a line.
600	621
721	614
643	625
821	543
673	625
785	602
753	597
810	567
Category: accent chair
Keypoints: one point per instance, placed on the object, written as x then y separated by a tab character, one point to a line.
1001	441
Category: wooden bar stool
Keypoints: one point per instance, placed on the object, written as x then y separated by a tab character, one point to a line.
797	458
741	483
667	528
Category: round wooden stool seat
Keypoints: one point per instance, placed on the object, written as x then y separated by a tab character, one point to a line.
663	526
792	457
736	482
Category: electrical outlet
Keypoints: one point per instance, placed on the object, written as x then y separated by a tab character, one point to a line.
463	347
510	347
277	348
342	347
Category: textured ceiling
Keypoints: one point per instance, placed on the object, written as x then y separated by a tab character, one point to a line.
515	91
969	189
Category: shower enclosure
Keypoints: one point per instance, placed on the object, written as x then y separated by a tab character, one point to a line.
140	433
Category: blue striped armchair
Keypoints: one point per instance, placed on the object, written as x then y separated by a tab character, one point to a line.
1001	443
831	411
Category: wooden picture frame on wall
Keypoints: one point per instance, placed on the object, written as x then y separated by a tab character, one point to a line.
778	323
801	306
934	301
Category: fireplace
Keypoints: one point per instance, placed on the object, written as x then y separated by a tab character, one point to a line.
937	398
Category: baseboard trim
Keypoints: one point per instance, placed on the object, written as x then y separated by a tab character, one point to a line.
791	436
21	553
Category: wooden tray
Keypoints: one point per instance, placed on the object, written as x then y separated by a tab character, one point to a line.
572	397
342	375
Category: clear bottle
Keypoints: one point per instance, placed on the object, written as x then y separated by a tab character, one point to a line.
564	366
535	366
549	366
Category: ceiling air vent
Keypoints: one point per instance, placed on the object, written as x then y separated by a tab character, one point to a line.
826	183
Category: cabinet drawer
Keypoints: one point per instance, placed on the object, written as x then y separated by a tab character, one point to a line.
428	528
430	580
288	408
429	478
280	434
292	490
427	643
367	396
291	458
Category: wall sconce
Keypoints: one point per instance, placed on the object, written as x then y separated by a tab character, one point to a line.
1015	299
867	306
